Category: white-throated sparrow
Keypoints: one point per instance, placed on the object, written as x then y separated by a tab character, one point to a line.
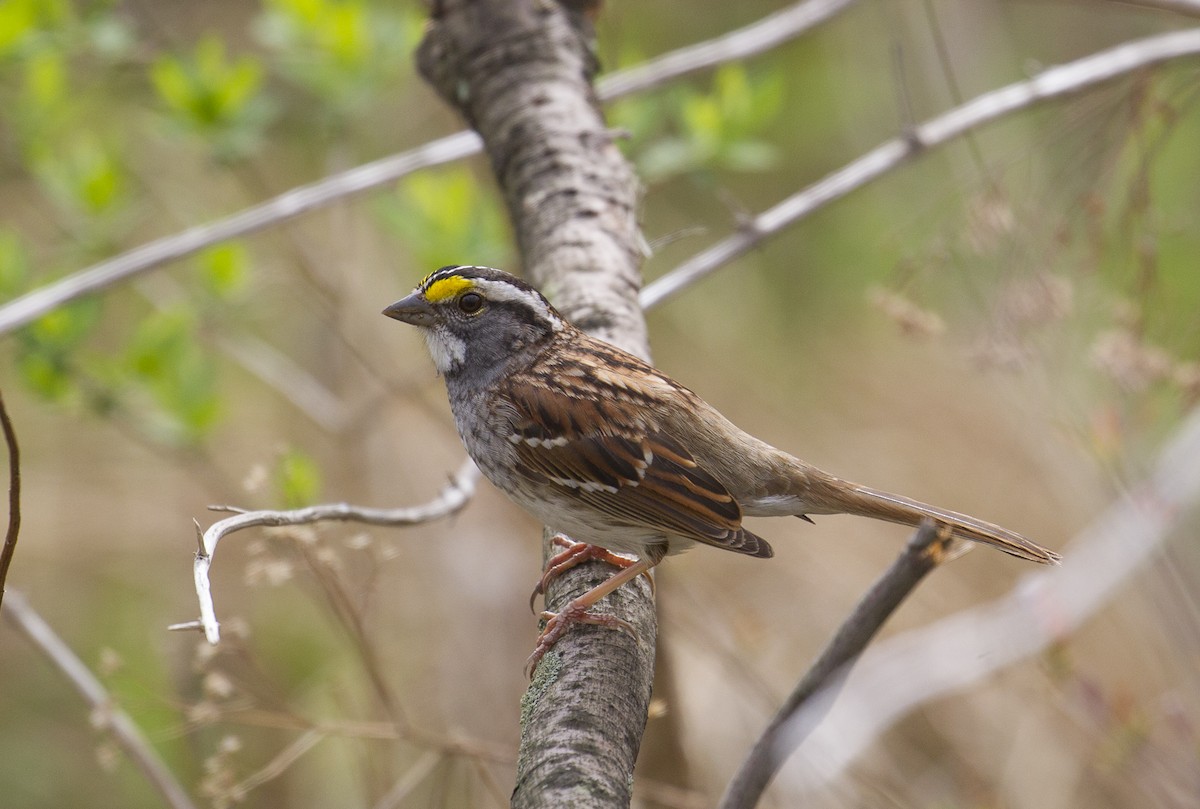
598	444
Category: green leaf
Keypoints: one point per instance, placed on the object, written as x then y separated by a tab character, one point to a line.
85	178
170	364
445	215
224	269
21	21
45	80
213	96
298	479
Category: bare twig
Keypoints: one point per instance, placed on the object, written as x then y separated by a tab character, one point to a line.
127	734
279	209
279	764
291	381
14	496
826	676
1072	77
758	37
451	499
755	38
413	776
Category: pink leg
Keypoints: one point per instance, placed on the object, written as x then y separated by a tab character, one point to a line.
576	553
578	611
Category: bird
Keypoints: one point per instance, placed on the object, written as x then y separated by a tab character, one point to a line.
614	453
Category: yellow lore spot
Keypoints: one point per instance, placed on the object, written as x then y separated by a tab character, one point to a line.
447	288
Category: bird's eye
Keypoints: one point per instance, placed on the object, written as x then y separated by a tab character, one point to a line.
470	303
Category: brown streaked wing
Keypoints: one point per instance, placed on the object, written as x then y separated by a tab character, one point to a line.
638	477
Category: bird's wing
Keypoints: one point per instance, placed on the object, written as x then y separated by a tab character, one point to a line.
628	469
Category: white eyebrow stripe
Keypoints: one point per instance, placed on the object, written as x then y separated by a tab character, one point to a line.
501	291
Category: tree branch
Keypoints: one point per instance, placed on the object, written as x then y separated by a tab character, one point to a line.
520	73
758	37
917	667
450	500
26	620
14	496
755	38
1055	82
927	548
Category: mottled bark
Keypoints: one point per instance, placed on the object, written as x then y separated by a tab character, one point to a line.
520	72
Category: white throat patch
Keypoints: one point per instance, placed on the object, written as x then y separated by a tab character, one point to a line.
447	350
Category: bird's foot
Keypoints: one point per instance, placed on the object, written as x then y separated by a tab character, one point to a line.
573	554
579	611
558	624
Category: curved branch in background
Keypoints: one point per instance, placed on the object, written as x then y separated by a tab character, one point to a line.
770	32
14	496
450	500
922	665
1072	77
105	713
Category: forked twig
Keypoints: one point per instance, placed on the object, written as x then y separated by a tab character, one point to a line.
451	499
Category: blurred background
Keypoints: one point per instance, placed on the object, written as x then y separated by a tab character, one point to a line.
1006	326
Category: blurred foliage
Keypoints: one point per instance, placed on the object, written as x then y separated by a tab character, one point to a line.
1057	256
298	479
447	217
345	53
215	98
685	131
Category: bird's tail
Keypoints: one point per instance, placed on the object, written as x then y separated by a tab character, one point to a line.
851	498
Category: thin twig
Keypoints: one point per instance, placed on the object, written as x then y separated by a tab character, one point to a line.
1072	77
755	38
127	734
14	496
758	37
346	611
412	778
922	554
278	766
451	499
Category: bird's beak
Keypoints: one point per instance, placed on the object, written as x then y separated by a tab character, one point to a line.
414	309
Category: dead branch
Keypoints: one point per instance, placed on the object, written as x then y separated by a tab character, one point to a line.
450	500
